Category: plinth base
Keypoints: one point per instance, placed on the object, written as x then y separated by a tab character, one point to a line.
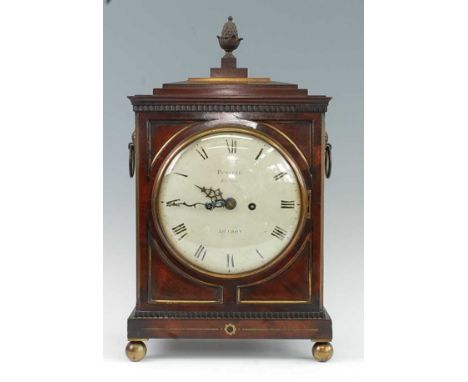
316	326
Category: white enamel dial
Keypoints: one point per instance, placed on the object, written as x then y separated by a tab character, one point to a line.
229	202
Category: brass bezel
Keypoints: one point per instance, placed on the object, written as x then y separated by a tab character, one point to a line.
231	128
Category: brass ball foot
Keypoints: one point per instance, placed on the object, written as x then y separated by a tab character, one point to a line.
322	351
135	350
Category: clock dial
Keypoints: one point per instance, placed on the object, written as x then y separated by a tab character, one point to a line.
229	202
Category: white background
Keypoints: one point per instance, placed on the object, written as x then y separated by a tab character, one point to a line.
316	44
415	203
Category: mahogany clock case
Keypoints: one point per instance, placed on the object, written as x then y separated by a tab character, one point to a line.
282	300
316	44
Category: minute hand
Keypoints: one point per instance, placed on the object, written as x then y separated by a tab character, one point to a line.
178	203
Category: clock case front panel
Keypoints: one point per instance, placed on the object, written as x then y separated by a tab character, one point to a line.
281	301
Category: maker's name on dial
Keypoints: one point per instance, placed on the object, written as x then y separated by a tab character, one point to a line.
229	172
231	231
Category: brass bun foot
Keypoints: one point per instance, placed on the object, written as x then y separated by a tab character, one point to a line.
135	350
322	351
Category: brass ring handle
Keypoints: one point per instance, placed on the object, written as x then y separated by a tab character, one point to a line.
131	159
328	160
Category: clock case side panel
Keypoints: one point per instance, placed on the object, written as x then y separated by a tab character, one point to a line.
147	146
306	130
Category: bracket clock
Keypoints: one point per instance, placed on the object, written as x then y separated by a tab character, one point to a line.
229	207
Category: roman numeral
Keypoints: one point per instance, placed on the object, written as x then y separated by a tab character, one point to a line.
201	252
259	153
287	204
230	261
232	147
180	229
279	233
259	254
202	153
280	175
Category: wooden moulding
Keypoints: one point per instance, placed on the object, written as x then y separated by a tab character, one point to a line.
225	325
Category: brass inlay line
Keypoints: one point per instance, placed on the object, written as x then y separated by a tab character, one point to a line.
226	80
240	329
149	144
175	329
309	264
185	301
274	329
274	301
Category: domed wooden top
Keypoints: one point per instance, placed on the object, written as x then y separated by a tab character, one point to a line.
233	83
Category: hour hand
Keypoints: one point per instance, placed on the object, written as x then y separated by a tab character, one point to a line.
215	196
